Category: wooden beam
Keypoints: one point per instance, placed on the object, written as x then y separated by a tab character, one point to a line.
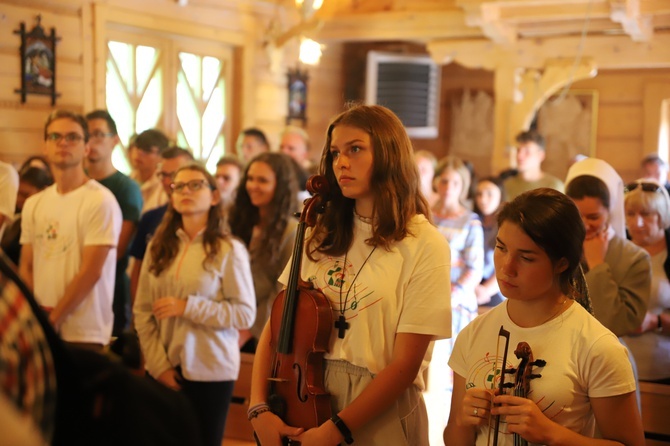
609	52
394	25
487	17
638	26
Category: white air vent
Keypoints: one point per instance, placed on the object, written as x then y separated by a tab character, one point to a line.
410	86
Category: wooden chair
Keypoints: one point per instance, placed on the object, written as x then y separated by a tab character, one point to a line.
655	399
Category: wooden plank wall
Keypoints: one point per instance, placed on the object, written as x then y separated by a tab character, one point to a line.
260	93
21	124
623	113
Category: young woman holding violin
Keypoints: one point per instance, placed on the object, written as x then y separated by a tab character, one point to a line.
384	270
195	291
575	378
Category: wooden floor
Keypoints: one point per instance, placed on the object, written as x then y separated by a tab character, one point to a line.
233	442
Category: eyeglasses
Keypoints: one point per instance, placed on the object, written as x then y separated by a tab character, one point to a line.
100	135
193	186
68	137
646	187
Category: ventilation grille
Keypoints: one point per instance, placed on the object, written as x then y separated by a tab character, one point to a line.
408	85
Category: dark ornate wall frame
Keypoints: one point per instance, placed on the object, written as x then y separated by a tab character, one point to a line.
38	62
297	96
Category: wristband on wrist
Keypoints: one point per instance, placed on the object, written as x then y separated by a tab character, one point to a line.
342	427
256	410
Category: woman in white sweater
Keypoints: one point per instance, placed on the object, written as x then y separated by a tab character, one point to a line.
195	292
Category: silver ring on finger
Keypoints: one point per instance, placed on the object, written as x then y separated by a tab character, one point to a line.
476	411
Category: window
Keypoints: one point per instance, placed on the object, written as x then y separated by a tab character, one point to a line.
201	106
134	93
159	82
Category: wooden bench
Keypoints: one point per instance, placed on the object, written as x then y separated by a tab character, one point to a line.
237	425
655	401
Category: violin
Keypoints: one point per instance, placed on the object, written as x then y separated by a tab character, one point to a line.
300	324
523	375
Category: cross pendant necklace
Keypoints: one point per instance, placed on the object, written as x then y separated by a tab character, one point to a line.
341	323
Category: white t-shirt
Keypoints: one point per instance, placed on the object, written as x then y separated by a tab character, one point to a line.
584	360
59	226
404	290
9	187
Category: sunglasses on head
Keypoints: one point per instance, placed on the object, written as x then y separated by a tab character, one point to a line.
646	187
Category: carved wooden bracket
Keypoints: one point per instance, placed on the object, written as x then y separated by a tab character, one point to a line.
536	86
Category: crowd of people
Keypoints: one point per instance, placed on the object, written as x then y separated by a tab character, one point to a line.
190	261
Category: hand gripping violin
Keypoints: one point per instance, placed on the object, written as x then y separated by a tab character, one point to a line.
300	324
523	375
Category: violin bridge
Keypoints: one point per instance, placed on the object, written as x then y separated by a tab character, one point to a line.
278	380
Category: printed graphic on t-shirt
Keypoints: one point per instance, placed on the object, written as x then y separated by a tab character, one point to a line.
344	286
52	240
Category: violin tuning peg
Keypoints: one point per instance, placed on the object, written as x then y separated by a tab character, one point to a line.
508	385
534	375
510	370
539	363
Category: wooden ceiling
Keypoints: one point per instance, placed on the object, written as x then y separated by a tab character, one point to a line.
503	21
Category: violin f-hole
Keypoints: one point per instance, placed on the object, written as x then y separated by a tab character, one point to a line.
299	383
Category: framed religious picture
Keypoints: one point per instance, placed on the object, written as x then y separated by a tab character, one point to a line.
568	123
38	62
297	95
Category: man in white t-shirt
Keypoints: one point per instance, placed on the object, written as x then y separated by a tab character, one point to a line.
9	187
69	235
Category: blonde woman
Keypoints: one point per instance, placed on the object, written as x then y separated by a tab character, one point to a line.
647	207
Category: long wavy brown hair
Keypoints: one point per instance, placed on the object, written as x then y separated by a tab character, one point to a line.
394	183
165	243
244	215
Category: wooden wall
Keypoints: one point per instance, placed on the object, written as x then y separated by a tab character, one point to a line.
628	106
624	111
259	92
628	99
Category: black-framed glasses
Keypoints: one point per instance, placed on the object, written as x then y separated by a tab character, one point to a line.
646	186
68	137
193	186
100	135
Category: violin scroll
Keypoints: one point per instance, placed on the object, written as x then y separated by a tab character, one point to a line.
318	186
